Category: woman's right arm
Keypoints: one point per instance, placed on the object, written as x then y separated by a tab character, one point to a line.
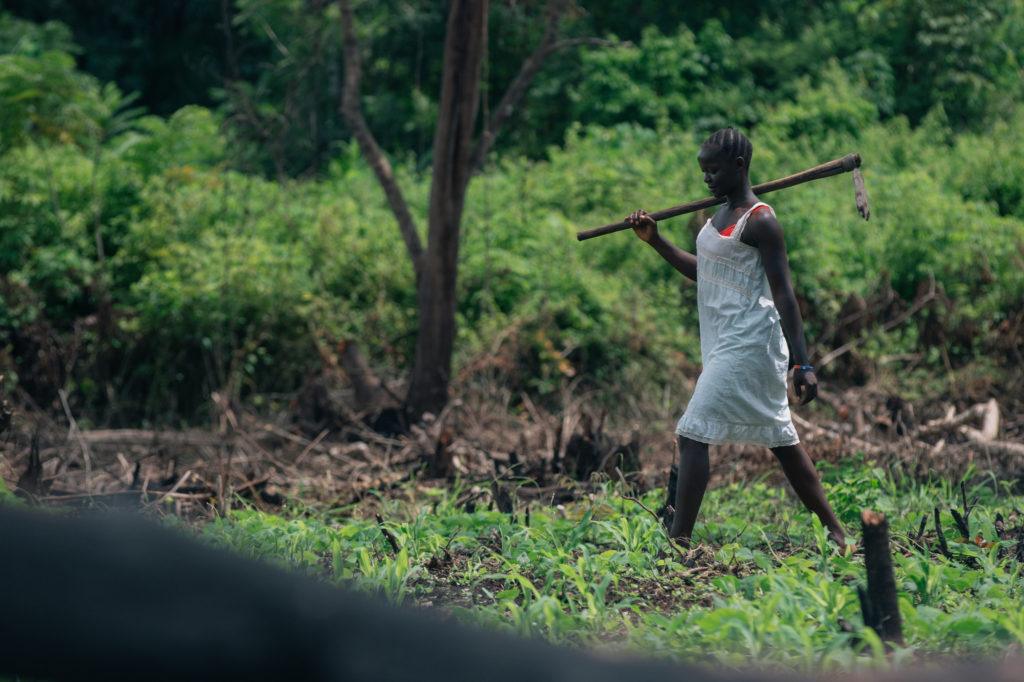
647	229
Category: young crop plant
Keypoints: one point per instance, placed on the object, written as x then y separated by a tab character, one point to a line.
761	583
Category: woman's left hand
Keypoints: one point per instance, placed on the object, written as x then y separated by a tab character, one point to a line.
805	384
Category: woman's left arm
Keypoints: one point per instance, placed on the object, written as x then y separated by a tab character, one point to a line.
765	233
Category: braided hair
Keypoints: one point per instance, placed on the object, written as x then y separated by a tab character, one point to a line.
732	143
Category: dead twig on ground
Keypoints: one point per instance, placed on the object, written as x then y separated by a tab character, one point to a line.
683	556
184	477
822	432
76	433
388	535
311	445
950	422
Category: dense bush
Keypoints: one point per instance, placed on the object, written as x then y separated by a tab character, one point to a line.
141	270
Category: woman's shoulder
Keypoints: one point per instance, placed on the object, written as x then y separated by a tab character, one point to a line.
760	223
760	209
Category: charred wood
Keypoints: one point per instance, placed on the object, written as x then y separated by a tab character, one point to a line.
879	603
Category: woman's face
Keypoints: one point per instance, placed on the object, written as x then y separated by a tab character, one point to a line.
721	174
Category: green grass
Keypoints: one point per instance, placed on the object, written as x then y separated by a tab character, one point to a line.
762	585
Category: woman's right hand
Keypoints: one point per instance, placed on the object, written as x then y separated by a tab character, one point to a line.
643	225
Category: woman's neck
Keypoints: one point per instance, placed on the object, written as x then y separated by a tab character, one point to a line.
741	196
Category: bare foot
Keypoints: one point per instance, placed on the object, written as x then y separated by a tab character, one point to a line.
838	537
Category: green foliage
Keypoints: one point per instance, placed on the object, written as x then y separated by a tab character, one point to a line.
835	107
30	39
958	55
43	96
682	79
45	244
6	496
221	280
284	113
988	171
274	66
766	587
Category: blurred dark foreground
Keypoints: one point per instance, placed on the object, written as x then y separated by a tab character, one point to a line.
114	597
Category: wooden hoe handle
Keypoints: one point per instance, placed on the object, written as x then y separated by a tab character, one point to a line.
835	167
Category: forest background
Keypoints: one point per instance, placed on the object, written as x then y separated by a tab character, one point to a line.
183	212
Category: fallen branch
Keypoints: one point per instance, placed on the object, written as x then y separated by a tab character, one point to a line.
311	446
57	496
990	421
950	422
891	324
253	485
70	497
173	489
76	433
821	432
1000	447
147	438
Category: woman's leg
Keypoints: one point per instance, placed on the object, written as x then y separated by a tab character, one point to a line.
804	478
694	471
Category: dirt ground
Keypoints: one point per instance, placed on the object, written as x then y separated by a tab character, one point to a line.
485	434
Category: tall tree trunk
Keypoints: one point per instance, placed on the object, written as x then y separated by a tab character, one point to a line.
455	160
465	46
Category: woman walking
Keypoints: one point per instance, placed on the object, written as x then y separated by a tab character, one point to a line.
750	330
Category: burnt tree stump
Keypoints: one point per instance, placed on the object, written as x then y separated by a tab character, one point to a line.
879	604
667	510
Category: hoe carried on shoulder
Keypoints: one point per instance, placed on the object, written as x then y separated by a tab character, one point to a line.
850	162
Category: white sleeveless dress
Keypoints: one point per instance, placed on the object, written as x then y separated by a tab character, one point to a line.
740	395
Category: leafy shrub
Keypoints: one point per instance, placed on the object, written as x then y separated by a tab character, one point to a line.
213	279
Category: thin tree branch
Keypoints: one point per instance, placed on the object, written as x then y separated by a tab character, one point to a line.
920	303
531	66
351	110
246	111
229	40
